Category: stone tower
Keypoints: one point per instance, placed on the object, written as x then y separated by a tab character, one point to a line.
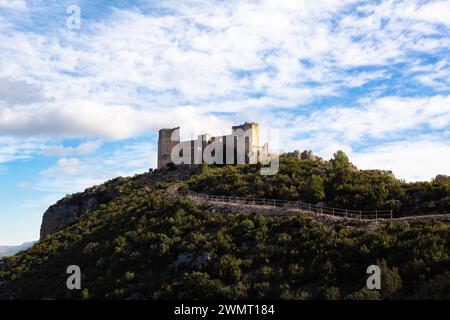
241	146
251	140
168	138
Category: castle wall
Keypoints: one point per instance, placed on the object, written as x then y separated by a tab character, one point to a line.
241	146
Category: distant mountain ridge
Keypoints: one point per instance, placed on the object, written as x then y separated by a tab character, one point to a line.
12	250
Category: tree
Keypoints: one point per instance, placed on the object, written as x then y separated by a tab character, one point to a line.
314	189
85	294
391	281
340	160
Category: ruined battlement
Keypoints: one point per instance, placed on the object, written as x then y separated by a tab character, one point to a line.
241	146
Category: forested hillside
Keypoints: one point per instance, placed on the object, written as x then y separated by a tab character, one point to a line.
141	244
336	182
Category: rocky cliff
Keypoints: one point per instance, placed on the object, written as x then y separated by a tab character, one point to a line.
70	208
67	210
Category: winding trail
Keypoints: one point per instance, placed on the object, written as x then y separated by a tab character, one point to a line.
288	208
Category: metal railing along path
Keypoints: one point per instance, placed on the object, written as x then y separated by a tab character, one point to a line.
337	212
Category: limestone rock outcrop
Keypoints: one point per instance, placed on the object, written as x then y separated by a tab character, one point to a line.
305	155
66	211
308	155
442	178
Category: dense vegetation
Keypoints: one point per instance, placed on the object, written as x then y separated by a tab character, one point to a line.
335	182
142	245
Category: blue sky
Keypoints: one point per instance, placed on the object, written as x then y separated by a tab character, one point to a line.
81	106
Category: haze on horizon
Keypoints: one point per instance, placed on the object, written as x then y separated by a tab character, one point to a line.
81	106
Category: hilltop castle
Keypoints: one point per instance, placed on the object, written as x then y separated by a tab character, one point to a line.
241	146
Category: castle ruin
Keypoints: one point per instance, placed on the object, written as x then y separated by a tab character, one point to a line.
241	146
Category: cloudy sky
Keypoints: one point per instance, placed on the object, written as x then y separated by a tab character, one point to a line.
81	105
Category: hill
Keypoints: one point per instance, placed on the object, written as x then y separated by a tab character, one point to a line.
11	250
139	240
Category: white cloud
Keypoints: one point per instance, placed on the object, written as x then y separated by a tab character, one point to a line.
90	119
223	57
24	185
64	166
436	12
70	175
17	92
12	149
365	77
379	117
14	4
410	160
435	75
82	149
205	65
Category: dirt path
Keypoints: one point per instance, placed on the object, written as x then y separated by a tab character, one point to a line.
228	204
